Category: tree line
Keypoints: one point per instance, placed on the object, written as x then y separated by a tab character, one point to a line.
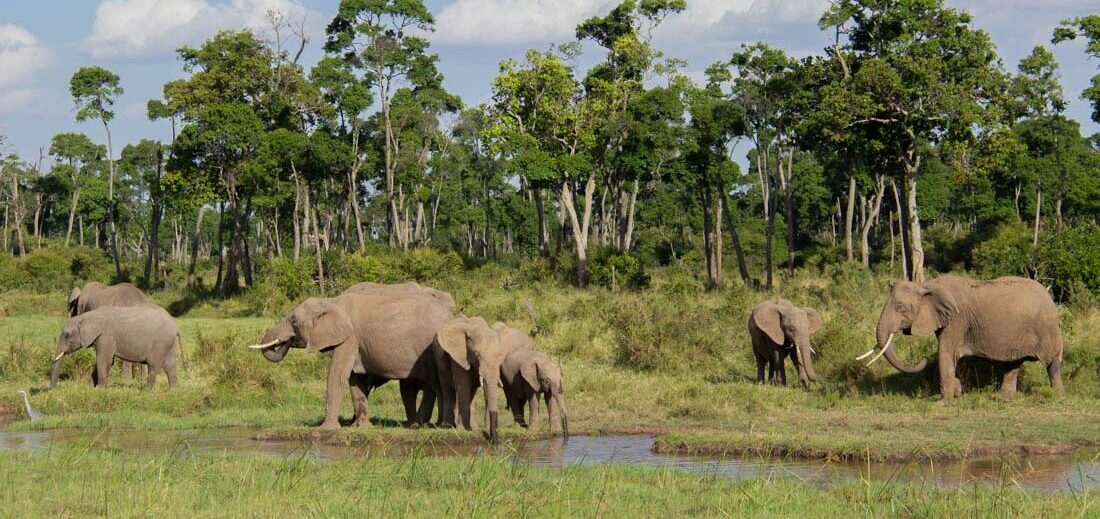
907	120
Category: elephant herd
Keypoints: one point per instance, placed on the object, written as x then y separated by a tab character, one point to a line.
411	333
1008	320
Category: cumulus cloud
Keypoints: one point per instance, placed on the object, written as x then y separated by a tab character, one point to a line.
500	22
22	59
135	29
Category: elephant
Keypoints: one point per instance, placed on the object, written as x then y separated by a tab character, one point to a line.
468	353
1009	320
96	295
528	373
779	329
373	338
142	334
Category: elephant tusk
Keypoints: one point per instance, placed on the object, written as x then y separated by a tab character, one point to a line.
265	345
58	357
889	341
868	354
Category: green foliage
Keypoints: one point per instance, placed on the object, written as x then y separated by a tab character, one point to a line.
54	268
292	280
613	269
653	333
1008	252
430	264
1072	260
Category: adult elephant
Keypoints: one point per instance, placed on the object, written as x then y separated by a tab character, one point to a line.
372	338
141	334
97	295
468	353
780	329
1009	319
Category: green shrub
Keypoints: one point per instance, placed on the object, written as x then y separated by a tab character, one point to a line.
349	269
430	264
1071	260
659	334
1007	252
613	269
293	280
54	268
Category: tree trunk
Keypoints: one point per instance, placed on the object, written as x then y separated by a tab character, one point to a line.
915	242
580	226
871	209
626	221
195	248
901	229
735	239
848	218
1038	211
221	245
154	223
111	200
540	208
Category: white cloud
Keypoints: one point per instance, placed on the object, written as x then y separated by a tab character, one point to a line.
498	22
22	60
133	29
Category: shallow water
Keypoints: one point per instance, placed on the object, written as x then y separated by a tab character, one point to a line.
1044	472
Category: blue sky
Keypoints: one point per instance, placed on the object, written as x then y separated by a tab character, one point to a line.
44	41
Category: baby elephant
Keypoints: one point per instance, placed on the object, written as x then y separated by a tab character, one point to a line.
142	334
780	329
526	374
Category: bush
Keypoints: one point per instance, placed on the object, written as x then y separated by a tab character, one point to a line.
659	334
613	269
291	279
428	264
1071	260
54	268
1007	252
349	269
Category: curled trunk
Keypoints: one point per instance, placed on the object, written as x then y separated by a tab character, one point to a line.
882	333
805	363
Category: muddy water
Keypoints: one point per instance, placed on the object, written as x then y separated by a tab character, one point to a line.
1046	472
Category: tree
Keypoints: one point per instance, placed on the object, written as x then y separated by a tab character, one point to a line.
77	157
1038	92
921	74
94	91
378	38
1087	27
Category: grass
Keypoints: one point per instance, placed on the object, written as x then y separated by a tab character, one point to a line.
670	360
176	483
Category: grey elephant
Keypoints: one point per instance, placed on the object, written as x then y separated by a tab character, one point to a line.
97	295
780	329
409	388
1008	319
372	338
468	353
528	374
143	334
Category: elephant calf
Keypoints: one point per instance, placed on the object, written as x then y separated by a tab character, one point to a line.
780	329
528	373
143	334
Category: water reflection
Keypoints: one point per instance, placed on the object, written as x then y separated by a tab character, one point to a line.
1047	472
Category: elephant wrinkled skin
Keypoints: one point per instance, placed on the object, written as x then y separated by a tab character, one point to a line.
372	338
780	329
143	334
1008	320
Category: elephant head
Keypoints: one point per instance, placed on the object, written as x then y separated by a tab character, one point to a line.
79	332
542	373
477	349
912	309
785	323
316	325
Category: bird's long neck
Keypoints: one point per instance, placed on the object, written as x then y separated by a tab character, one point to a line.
27	403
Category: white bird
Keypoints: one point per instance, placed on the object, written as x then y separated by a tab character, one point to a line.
31	412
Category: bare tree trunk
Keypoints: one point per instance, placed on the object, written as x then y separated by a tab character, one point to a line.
195	248
220	243
80	219
152	259
297	212
540	208
901	229
111	200
278	240
870	210
1038	211
916	243
848	218
580	226
626	222
735	239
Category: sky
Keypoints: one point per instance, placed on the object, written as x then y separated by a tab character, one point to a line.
43	42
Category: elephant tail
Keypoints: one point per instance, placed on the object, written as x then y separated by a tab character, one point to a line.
183	358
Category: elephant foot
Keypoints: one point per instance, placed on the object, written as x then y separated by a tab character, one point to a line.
1007	396
330	426
362	423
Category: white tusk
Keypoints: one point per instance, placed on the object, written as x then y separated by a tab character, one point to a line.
812	350
58	357
868	354
265	345
889	341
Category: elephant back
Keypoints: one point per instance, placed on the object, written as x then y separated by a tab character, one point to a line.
401	289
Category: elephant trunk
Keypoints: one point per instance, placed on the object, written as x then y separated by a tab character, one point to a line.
882	338
559	400
490	388
805	362
276	353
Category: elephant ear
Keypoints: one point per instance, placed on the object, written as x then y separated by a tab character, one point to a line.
767	319
452	339
89	331
815	320
74	297
935	309
530	373
329	329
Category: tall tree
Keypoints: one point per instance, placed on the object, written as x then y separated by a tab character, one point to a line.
1039	95
95	90
77	157
1087	27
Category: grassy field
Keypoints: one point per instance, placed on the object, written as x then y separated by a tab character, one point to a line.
672	361
175	484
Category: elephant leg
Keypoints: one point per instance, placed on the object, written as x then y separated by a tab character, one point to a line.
948	381
781	367
760	362
427	405
553	412
343	359
1054	371
409	389
447	394
533	403
170	370
127	370
463	416
360	393
516	405
103	363
1008	383
151	378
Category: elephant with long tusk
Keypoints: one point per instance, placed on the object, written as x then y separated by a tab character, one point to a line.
780	329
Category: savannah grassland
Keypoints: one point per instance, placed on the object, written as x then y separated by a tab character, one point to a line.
670	360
